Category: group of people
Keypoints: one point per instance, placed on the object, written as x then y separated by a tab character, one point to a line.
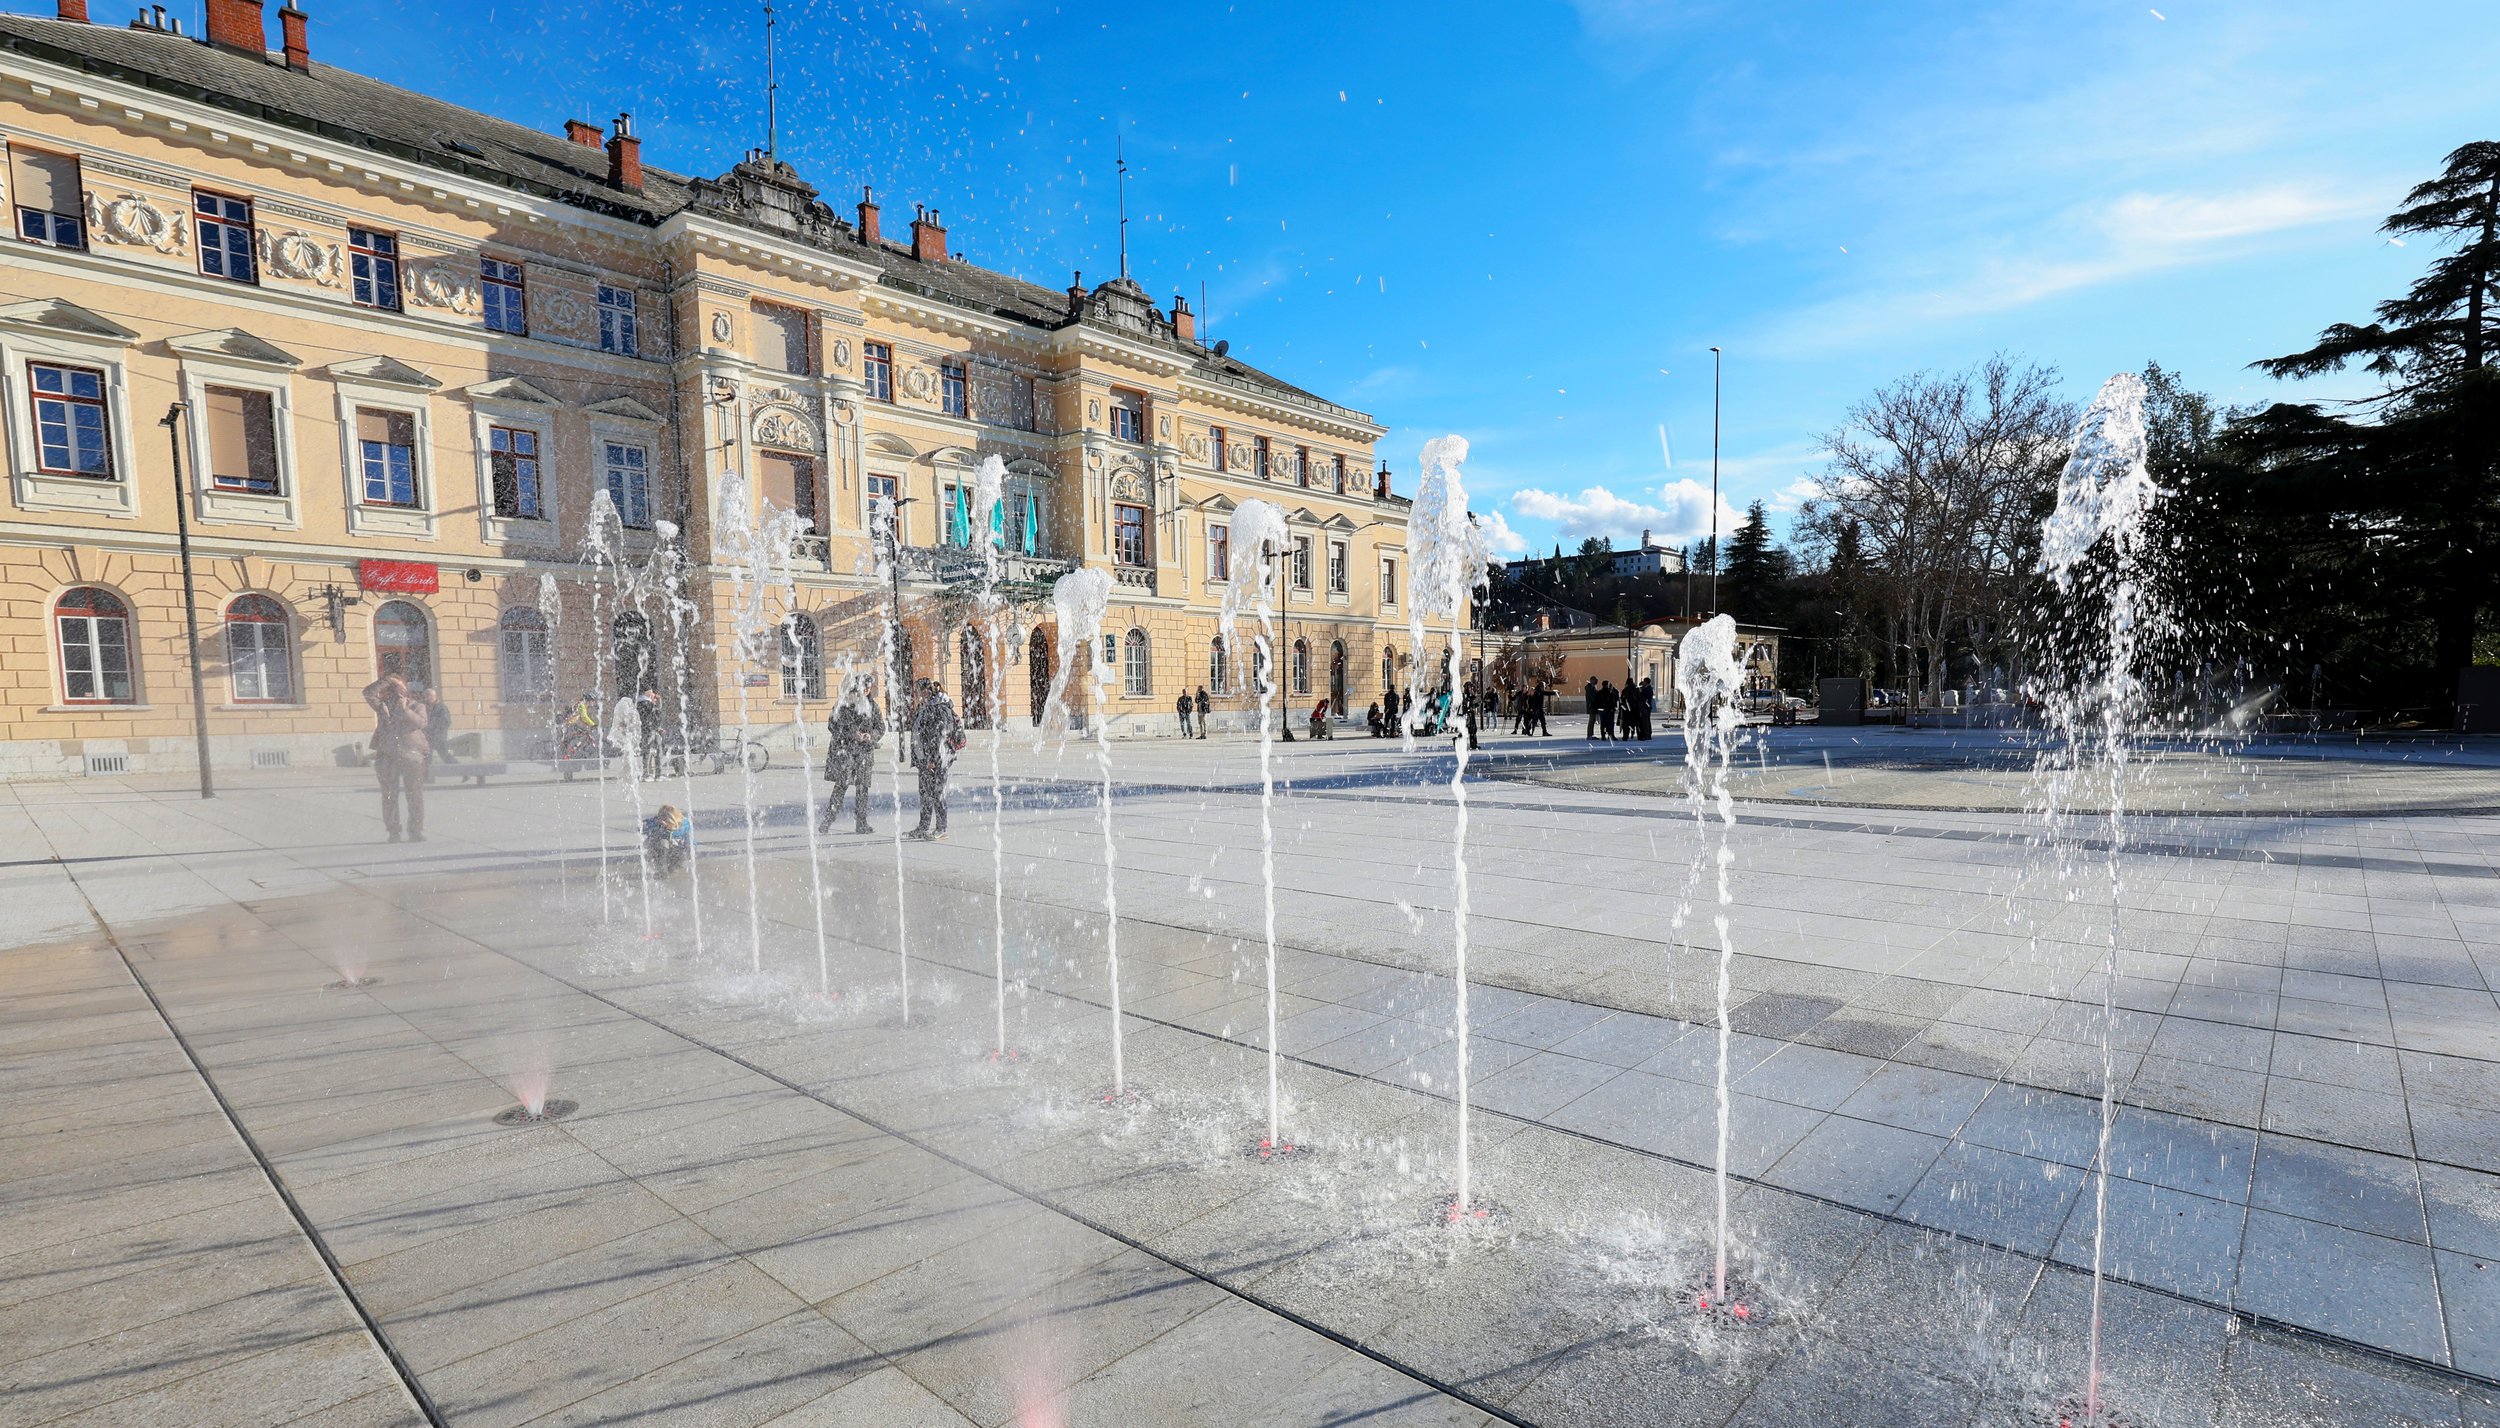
1620	713
411	729
856	728
1184	706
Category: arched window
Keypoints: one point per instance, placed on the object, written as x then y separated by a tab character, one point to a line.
1301	666
93	628
631	657
525	666
1262	683
1136	666
260	651
403	644
1336	661
1388	670
1219	668
802	659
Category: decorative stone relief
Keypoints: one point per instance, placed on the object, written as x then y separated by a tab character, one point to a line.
1197	447
1093	409
720	327
129	218
844	413
786	427
1165	429
443	287
919	384
560	314
1093	459
841	352
298	255
1128	485
1243	454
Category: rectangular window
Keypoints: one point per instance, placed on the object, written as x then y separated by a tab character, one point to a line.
1024	522
1388	582
1128	536
513	454
1301	562
1110	650
1265	456
242	440
1339	463
1302	465
225	234
373	265
876	369
500	291
386	445
1215	448
617	331
1128	415
954	389
1337	574
882	491
72	437
958	514
789	482
781	338
627	469
1219	552
48	196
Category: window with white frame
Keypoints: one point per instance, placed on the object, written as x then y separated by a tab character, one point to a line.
242	439
1337	562
1219	551
373	268
501	294
73	436
260	651
525	667
1137	671
1129	543
954	389
386	458
49	197
876	370
1301	562
1301	666
1388	581
512	458
1219	667
1023	530
224	228
1128	415
625	467
884	497
91	627
617	329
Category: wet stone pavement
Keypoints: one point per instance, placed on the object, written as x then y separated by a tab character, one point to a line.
235	1190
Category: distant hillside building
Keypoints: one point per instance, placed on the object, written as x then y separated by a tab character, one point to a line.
1647	558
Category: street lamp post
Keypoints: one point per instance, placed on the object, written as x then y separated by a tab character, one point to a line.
1715	561
894	572
190	598
1285	621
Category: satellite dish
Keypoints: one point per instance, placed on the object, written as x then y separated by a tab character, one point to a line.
1222	346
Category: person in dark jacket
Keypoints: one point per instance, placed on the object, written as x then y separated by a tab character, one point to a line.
1588	696
1206	706
437	721
852	734
1604	708
1182	707
1649	707
936	737
401	752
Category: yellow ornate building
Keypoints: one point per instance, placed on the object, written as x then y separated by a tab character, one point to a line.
399	348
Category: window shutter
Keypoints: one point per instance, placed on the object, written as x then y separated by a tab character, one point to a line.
379	426
45	182
229	442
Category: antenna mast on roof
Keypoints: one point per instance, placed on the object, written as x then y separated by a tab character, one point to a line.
772	88
1119	152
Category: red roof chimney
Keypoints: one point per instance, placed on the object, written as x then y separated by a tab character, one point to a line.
586	135
869	232
291	23
75	10
1076	291
236	25
1184	322
1380	484
625	156
928	237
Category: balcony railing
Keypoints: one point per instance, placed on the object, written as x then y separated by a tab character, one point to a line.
962	565
1141	577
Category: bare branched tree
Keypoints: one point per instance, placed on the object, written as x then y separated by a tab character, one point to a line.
1942	477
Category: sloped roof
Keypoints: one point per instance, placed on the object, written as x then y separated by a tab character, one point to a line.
353	109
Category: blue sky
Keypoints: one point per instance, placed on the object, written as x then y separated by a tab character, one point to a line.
1527	223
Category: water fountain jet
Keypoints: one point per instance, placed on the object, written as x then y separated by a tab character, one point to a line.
1258	533
1079	598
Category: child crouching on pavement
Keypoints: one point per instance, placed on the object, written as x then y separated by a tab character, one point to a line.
666	840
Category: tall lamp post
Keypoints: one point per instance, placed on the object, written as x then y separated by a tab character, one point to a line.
894	571
190	597
1285	604
1715	562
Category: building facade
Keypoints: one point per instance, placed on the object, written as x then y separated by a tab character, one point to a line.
436	394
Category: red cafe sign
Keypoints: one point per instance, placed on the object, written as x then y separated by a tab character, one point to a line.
397	577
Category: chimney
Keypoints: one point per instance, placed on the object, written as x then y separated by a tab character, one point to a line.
74	11
1380	483
586	135
1184	322
236	25
625	156
1076	291
291	22
928	236
869	232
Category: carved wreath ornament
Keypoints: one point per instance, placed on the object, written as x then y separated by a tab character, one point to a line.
129	218
785	428
564	314
441	287
919	383
842	352
297	255
720	327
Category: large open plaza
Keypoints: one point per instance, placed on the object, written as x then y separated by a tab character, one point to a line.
255	1171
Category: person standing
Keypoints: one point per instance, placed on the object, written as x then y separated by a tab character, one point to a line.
1206	706
1182	706
647	707
437	721
1588	696
936	736
401	752
852	734
1649	707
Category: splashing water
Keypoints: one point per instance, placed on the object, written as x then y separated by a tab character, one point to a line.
750	550
890	651
988	482
1079	599
627	720
670	556
1450	559
1258	531
1710	672
599	544
794	661
2103	497
551	605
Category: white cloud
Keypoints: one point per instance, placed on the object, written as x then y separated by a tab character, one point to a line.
1786	500
1499	538
1680	513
